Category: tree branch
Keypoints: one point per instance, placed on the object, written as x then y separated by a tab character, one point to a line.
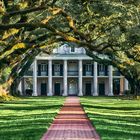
26	11
65	36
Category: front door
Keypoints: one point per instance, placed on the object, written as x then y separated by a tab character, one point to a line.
116	86
101	89
57	89
43	89
72	88
88	89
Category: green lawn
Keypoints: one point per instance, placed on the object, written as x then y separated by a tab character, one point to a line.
28	118
113	118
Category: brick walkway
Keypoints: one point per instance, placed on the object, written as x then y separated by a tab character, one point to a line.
71	123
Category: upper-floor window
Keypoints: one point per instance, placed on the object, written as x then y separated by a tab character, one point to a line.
43	67
88	67
101	67
57	67
72	49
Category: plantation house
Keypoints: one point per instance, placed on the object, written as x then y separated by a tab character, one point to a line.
69	71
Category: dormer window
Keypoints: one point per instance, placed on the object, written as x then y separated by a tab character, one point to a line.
72	49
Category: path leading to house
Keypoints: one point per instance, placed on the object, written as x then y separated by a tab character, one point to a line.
71	123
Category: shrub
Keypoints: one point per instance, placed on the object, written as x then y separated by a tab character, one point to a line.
127	92
6	97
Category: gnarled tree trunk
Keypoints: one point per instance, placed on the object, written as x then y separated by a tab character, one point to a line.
22	68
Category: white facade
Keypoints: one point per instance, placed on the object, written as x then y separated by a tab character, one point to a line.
69	71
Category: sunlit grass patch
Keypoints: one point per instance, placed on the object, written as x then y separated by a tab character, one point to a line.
28	118
113	118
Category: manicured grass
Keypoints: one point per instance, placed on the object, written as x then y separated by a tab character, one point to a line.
28	118
114	119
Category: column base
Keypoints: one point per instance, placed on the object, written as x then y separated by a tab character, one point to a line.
80	94
110	94
95	94
34	94
49	94
121	93
64	94
21	94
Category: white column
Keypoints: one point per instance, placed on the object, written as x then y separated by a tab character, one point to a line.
110	89
20	87
23	86
125	84
65	81
80	78
95	80
50	78
35	78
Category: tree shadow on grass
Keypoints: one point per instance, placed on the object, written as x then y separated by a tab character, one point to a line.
31	101
129	119
115	127
30	127
14	117
110	108
27	119
29	107
26	133
116	134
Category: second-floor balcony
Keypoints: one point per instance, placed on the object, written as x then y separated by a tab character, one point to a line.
87	73
57	73
29	73
102	73
72	73
42	73
116	73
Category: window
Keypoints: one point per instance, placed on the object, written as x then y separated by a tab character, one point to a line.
88	67
57	67
72	49
56	71
43	67
101	70
101	67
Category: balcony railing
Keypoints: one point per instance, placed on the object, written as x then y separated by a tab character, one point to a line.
102	73
88	73
29	73
58	73
42	73
72	73
116	73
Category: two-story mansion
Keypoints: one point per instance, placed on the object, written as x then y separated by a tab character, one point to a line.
69	71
